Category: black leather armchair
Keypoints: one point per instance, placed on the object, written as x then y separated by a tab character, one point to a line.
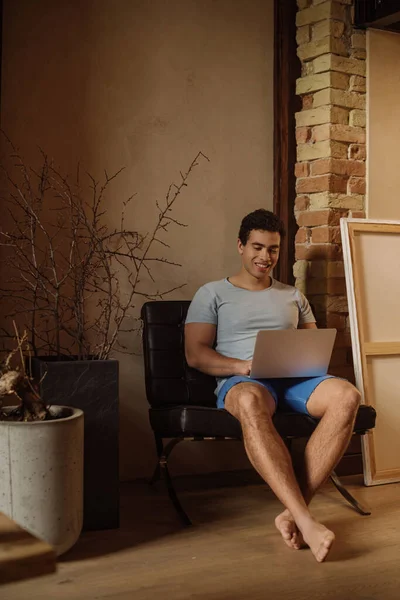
182	400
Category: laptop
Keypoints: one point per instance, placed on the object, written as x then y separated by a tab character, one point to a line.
292	353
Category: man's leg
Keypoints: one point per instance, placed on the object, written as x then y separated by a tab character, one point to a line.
335	402
254	406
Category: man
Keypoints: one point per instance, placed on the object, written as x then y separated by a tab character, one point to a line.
233	310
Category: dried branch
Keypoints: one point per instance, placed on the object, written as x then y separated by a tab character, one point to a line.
14	381
73	280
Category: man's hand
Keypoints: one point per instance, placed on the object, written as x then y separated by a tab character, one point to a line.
243	367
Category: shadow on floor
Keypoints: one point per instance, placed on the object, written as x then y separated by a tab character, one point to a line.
147	513
144	517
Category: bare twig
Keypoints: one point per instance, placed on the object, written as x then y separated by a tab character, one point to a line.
14	381
74	280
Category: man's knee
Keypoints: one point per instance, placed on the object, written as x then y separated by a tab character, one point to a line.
334	396
345	399
350	398
247	401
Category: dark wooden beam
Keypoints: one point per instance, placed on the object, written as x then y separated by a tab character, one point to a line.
1	48
286	70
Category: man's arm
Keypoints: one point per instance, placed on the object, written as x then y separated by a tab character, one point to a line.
199	339
308	326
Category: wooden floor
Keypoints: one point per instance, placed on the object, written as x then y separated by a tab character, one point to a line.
22	555
232	553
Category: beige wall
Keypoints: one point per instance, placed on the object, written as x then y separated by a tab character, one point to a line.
147	85
383	113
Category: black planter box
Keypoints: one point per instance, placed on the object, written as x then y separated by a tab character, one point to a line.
92	386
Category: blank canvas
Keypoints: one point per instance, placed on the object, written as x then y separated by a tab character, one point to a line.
371	252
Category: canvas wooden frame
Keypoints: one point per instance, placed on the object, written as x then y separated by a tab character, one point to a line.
371	250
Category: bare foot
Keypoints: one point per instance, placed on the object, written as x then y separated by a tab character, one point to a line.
319	538
288	529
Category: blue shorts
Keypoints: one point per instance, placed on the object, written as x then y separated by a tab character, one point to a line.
290	394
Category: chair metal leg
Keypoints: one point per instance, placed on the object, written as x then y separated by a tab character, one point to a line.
160	449
162	470
156	475
346	494
174	498
288	443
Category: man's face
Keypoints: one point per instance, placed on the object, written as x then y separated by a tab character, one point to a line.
261	252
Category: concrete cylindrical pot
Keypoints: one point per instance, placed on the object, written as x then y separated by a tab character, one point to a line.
41	475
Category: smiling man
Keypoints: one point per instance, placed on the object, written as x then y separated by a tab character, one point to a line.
230	312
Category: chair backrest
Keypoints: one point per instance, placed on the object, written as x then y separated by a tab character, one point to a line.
169	380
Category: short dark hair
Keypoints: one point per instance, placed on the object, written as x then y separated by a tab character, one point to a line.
263	220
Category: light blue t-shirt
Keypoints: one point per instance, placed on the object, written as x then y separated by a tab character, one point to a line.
240	314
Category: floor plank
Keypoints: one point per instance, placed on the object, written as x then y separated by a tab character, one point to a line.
21	554
232	553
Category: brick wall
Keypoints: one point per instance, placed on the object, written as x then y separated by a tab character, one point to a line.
330	168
